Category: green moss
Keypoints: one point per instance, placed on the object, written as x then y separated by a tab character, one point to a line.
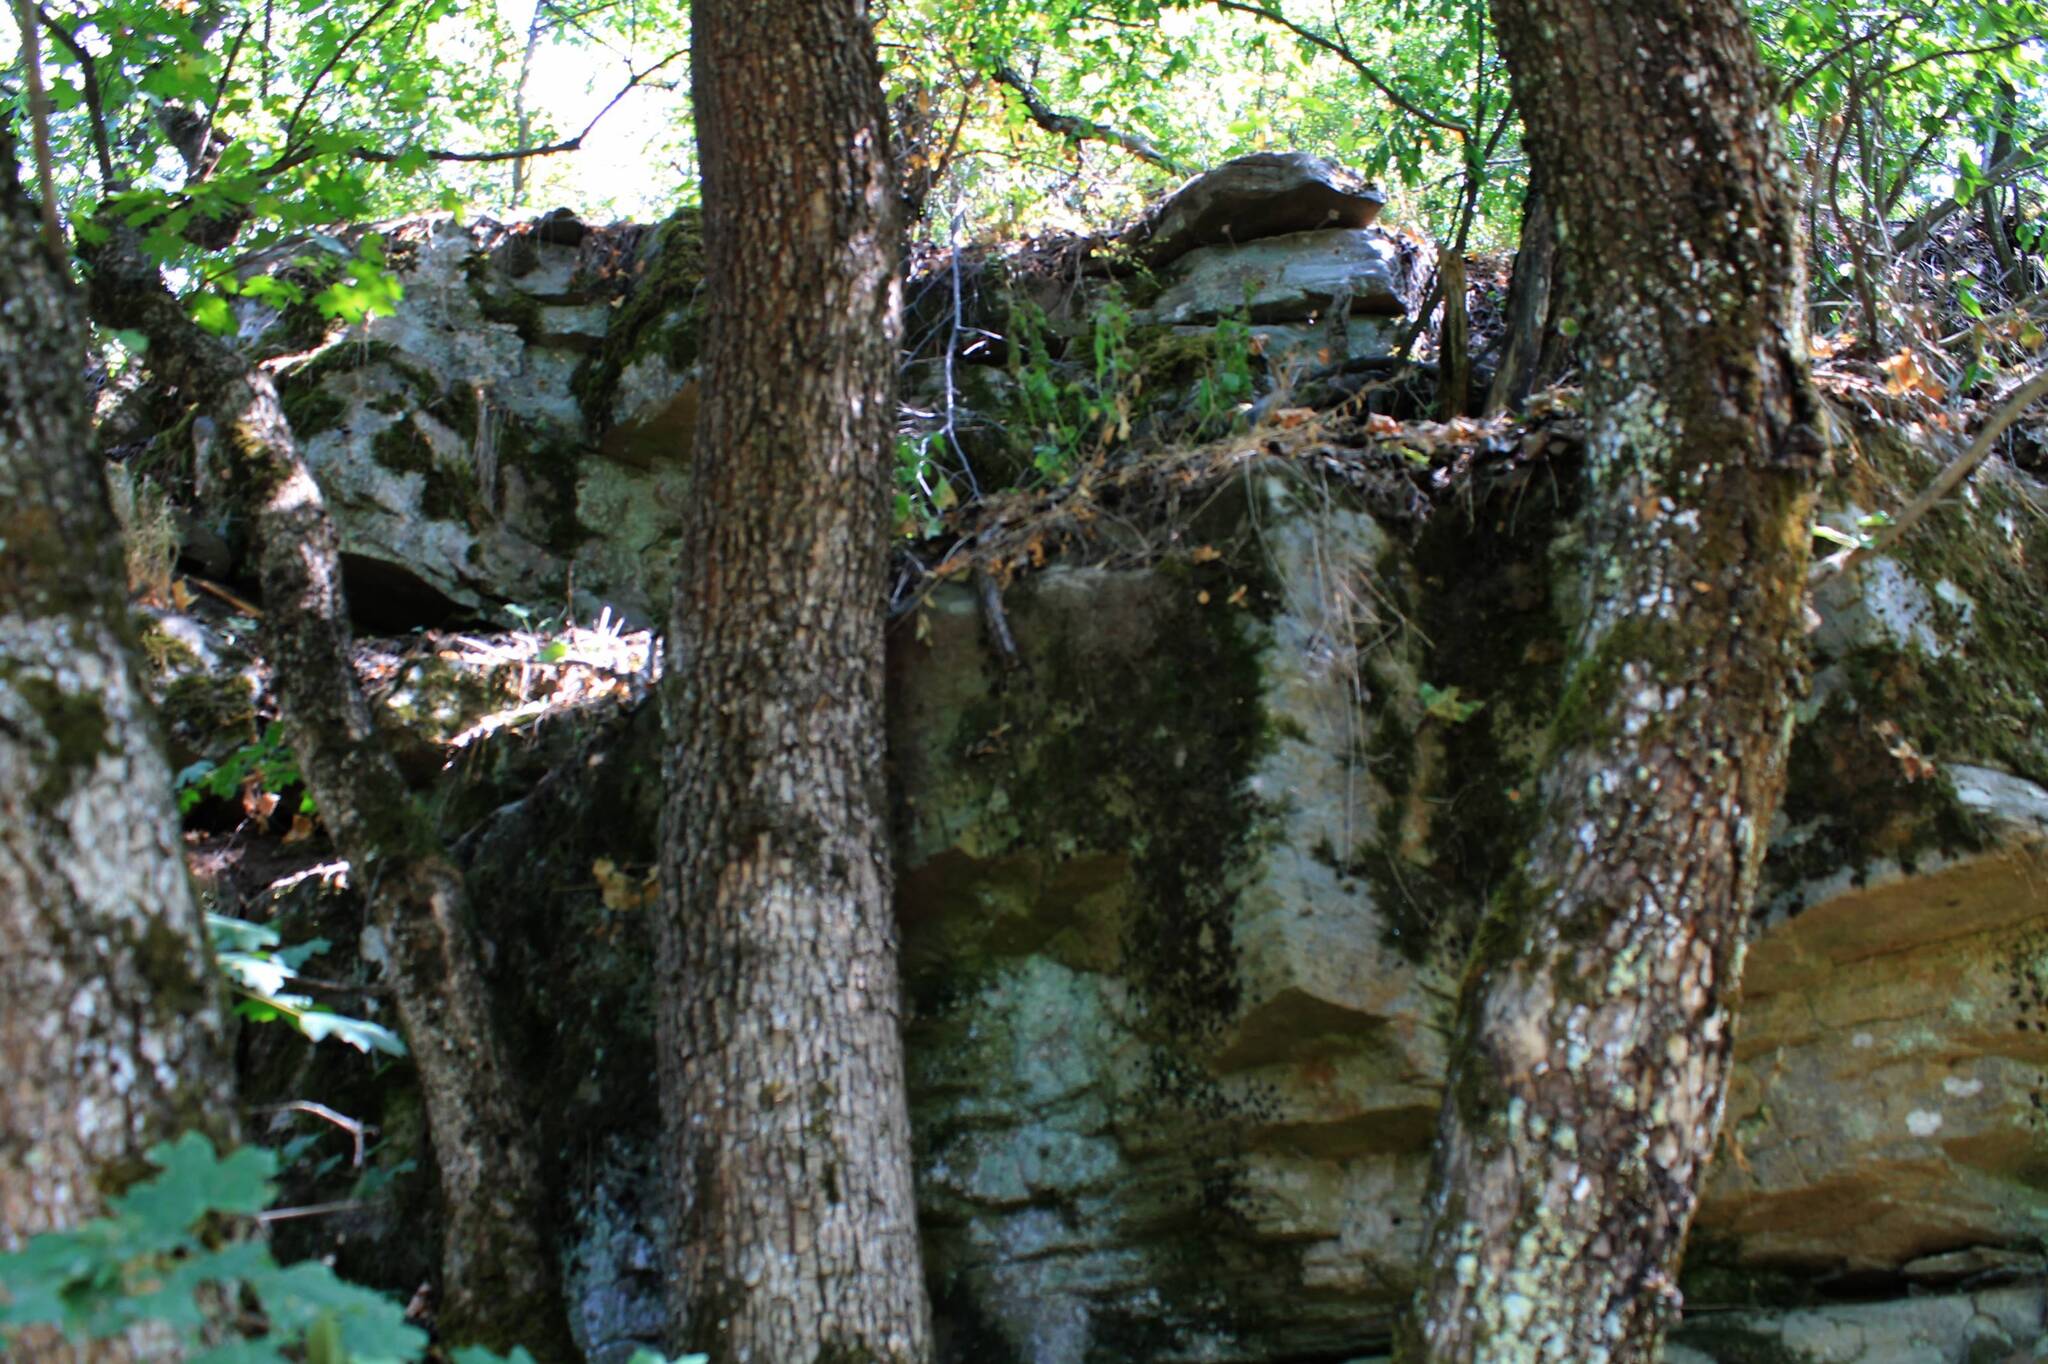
310	405
1852	802
447	494
1146	752
164	650
1170	358
1986	699
76	724
510	307
662	315
1462	800
457	409
164	957
551	467
1982	699
204	712
311	409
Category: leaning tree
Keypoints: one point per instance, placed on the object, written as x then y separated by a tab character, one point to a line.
1591	1049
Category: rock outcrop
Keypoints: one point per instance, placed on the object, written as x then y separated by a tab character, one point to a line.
1184	881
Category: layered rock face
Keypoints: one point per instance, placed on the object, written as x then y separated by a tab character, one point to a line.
1185	874
1171	1051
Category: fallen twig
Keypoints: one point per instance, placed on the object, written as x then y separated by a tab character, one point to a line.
1944	483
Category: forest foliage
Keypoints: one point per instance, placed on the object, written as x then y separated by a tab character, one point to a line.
229	129
230	126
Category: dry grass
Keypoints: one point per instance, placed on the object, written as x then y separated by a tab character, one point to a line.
149	532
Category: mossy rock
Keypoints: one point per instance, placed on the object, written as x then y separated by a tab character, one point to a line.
662	315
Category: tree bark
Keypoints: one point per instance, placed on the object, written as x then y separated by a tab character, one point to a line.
787	1145
111	1035
498	1283
1591	1048
1524	348
1454	341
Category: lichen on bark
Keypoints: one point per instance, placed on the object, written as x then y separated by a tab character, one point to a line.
111	1034
1591	1050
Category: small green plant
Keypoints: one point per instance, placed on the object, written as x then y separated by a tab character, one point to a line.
1226	383
172	1249
269	760
923	492
1443	703
260	969
1069	418
1868	526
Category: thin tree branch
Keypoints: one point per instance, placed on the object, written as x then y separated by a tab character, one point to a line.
1923	227
1076	129
1834	54
2005	45
1944	482
39	127
383	158
220	89
95	108
1343	53
291	127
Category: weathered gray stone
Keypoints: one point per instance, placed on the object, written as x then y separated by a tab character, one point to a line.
1994	1326
1294	278
1266	194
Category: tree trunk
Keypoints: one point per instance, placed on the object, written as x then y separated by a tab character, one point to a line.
788	1143
498	1285
1591	1048
111	1035
1524	348
1454	341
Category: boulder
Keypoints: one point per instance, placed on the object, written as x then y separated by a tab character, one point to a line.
1267	194
1294	278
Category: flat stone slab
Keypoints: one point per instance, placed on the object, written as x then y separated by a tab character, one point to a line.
1292	278
1267	194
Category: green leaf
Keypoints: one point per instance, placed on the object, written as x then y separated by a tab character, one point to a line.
477	1354
372	1328
211	311
264	1350
1443	704
195	1182
365	1036
1836	537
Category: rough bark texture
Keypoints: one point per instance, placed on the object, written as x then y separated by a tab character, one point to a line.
1526	346
499	1285
1592	1044
782	1068
111	1034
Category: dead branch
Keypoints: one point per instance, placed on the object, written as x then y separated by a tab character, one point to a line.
1076	129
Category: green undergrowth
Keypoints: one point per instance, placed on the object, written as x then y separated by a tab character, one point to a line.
178	1245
